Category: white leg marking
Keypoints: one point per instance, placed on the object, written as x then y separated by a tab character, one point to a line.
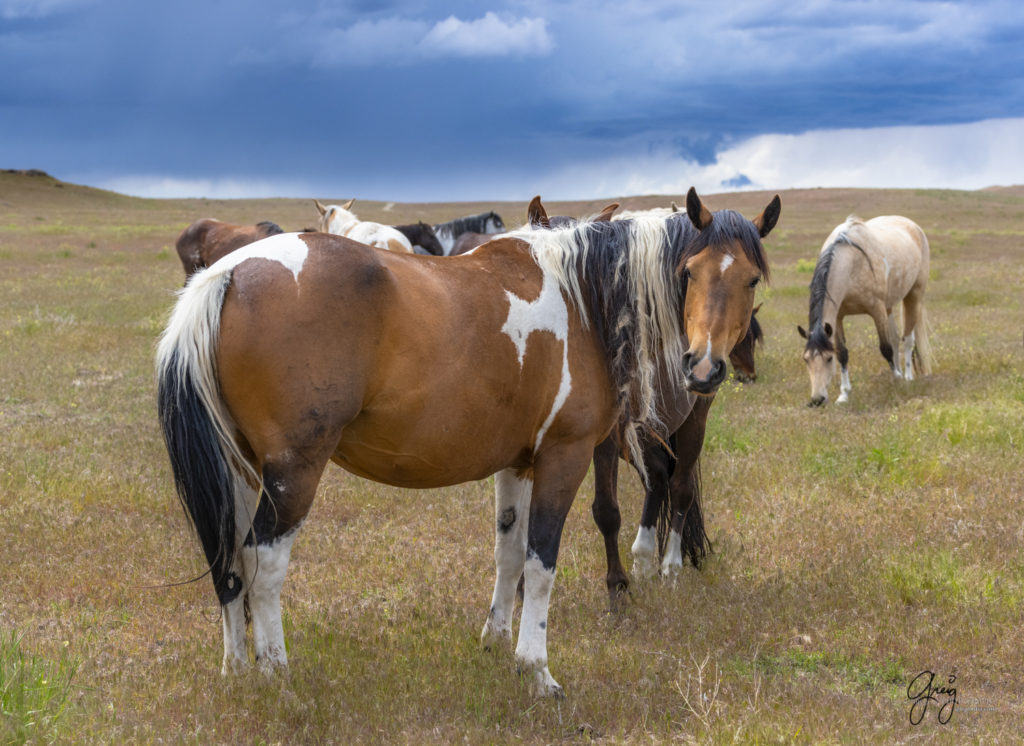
844	387
673	561
532	648
267	565
908	356
547	313
644	550
512	519
236	658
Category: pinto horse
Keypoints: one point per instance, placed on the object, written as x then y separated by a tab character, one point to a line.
306	348
421	235
720	277
338	220
485	222
207	240
868	267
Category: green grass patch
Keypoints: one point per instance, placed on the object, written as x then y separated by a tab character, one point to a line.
33	693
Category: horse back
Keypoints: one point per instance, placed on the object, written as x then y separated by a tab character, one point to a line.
904	251
396	359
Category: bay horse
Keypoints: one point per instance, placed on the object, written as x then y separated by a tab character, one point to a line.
306	348
484	222
340	221
868	267
207	240
672	520
421	235
742	355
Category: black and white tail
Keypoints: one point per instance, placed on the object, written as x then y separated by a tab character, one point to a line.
196	427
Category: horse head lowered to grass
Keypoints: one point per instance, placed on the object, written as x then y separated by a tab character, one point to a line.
307	348
868	267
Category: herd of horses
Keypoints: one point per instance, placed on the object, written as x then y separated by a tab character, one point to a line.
590	340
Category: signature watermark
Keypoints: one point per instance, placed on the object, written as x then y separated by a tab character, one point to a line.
924	692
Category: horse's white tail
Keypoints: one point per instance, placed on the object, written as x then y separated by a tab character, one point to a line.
923	358
196	426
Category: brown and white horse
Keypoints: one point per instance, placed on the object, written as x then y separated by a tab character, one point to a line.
307	348
207	240
337	219
868	267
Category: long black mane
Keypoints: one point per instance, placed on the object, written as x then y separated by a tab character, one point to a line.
817	339
468	224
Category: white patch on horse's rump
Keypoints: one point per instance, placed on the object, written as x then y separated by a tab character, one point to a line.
287	249
550	314
727	261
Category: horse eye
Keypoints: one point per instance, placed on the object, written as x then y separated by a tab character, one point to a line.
828	358
686	274
753	283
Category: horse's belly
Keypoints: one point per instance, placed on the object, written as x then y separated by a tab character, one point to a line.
404	456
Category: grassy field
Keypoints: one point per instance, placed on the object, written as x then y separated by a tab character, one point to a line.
855	546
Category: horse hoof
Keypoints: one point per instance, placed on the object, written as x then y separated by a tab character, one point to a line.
495	637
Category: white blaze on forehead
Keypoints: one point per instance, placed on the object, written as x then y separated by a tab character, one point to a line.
727	261
285	248
548	313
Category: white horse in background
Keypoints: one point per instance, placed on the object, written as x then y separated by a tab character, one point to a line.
337	219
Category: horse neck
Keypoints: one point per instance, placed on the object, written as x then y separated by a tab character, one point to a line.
342	223
837	284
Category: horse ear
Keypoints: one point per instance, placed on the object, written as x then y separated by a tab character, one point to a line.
802	332
321	208
767	219
675	207
536	215
756	308
348	205
606	213
828	330
700	216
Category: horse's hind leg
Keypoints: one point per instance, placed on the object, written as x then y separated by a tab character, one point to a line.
233	614
911	316
608	517
289	484
512	517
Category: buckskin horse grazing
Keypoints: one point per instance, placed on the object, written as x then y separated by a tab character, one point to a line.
722	263
207	240
338	220
868	267
306	348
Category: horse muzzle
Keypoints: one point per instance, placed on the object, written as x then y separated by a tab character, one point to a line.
703	375
817	401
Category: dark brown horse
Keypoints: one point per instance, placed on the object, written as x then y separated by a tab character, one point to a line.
742	355
207	240
308	348
421	235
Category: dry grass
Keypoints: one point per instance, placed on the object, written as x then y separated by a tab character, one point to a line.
855	546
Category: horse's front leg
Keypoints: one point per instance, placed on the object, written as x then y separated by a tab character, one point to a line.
557	473
658	464
687	537
608	517
885	327
843	356
512	517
